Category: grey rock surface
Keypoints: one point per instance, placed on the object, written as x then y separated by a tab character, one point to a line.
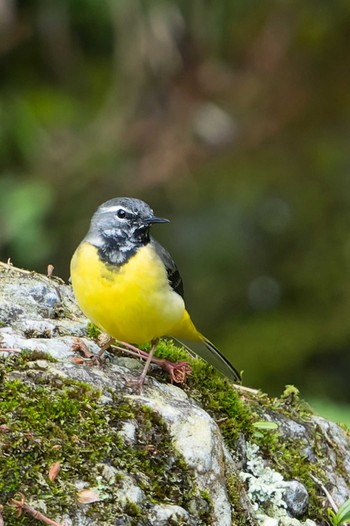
40	314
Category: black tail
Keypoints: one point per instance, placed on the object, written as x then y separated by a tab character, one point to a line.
219	361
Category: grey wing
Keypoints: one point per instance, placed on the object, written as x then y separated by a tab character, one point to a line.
174	277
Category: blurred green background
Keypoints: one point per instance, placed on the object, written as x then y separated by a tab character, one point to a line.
229	117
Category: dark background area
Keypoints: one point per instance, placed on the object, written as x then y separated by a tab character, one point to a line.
231	118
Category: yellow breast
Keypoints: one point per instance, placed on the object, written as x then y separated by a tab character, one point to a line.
132	303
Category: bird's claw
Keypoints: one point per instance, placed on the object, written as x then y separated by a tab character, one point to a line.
178	371
80	347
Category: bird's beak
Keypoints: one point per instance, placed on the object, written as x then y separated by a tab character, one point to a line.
155	219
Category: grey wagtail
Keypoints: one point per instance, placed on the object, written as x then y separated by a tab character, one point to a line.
128	285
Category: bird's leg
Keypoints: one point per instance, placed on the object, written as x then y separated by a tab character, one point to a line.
131	349
142	377
178	371
105	344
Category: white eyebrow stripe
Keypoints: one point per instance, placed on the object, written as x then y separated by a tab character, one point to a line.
114	208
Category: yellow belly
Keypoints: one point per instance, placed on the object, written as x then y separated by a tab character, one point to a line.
133	303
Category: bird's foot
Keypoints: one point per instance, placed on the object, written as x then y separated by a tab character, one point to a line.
85	356
178	371
105	342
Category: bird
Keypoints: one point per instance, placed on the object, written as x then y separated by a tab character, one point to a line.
128	285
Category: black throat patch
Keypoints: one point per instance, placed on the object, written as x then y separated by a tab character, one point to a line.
114	256
116	251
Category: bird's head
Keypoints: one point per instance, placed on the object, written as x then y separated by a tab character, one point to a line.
122	221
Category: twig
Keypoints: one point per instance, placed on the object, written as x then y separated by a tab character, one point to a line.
326	492
21	506
246	389
9	266
1	518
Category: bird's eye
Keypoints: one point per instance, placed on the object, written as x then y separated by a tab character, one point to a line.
121	213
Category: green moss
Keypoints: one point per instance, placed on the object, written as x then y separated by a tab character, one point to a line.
19	361
236	414
132	510
93	332
287	454
291	393
213	392
47	419
235	489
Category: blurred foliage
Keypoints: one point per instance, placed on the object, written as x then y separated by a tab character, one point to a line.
232	119
337	412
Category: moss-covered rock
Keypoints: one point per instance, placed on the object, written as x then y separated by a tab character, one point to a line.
206	453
